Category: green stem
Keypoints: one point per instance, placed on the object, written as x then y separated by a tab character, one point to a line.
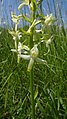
16	44
31	72
32	94
32	82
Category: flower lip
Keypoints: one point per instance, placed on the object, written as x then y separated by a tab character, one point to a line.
34	52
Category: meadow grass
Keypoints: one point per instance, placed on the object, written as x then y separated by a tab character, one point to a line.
50	82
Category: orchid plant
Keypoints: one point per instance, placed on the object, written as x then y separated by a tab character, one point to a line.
30	52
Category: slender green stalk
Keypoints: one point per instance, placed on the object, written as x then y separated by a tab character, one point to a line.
32	82
32	94
31	72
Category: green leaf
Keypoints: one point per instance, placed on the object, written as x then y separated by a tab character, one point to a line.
58	105
61	101
42	109
6	81
36	93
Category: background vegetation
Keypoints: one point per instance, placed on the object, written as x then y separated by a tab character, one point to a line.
50	83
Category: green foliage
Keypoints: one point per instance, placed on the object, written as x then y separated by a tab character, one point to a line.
51	88
49	79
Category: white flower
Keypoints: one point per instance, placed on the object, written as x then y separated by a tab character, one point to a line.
48	42
15	18
49	19
16	34
32	57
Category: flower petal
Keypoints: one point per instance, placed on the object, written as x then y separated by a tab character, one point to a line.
13	50
34	52
26	57
40	60
30	65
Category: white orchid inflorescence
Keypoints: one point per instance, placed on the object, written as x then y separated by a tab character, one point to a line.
23	51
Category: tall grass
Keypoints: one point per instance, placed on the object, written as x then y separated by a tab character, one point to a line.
50	82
